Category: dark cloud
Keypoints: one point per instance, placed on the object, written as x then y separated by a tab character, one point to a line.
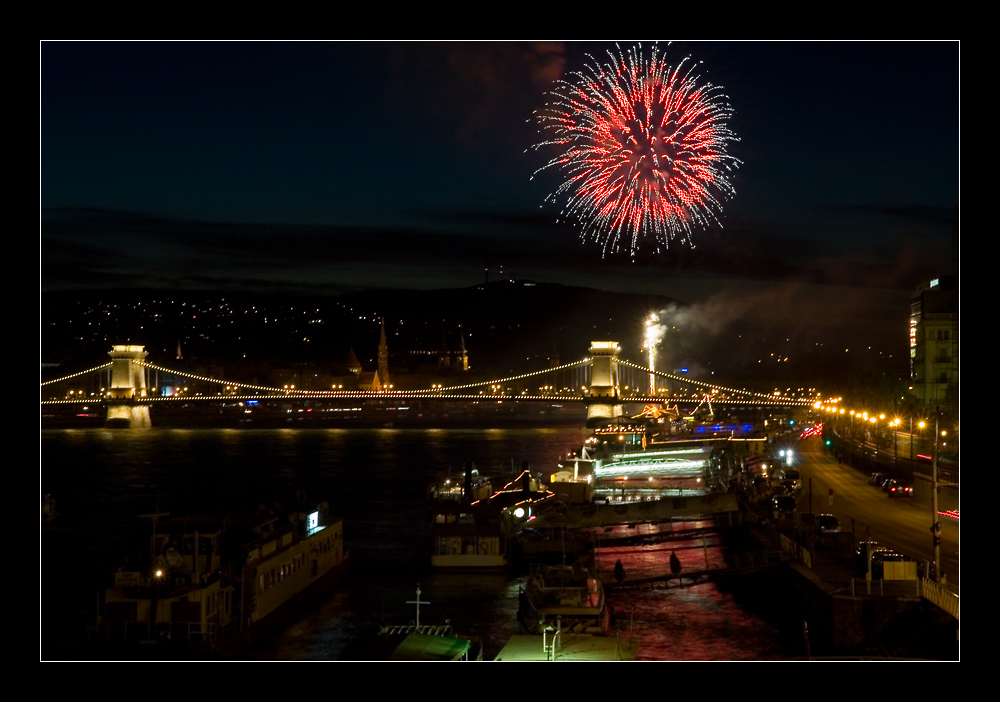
102	245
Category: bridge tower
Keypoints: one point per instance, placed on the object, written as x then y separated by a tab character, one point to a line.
603	402
128	383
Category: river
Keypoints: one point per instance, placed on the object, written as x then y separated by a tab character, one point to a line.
376	479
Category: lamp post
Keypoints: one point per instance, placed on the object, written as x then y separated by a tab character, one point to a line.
935	523
840	432
853	437
920	425
880	417
911	445
895	442
874	423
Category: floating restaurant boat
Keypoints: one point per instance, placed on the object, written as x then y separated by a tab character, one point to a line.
473	528
215	583
285	563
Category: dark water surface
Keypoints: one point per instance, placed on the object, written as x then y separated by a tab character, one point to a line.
376	479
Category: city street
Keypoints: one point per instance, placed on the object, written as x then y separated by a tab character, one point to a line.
902	524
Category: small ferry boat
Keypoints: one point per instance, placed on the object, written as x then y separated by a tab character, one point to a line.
563	597
426	643
422	642
214	583
415	641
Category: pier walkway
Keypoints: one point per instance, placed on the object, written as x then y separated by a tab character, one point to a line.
743	563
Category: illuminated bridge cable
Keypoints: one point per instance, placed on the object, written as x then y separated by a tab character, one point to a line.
512	378
76	375
260	392
205	379
690	381
284	392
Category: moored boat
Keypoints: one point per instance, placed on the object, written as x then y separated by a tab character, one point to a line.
465	537
215	583
288	561
417	642
563	597
473	528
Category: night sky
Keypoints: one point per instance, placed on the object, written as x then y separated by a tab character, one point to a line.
332	167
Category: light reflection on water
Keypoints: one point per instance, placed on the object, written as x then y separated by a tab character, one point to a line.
673	619
694	623
377	479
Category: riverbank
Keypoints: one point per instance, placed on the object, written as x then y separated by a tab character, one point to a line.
825	615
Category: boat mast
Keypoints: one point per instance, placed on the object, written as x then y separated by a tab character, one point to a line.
417	602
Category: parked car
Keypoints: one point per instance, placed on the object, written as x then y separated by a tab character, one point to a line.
783	505
897	488
793	477
877	479
785	487
760	487
881	558
827	524
862	553
879	555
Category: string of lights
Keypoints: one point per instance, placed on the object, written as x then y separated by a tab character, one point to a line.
205	379
744	397
718	388
512	378
96	369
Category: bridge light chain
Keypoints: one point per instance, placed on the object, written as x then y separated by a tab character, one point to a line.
549	391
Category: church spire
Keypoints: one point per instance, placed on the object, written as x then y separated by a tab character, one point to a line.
463	359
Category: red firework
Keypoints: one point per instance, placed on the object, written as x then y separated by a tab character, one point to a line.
642	147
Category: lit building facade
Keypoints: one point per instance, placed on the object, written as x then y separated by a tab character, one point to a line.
934	370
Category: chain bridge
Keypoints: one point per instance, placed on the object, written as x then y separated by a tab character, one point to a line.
127	386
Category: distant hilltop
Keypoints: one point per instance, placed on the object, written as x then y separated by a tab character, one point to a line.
504	327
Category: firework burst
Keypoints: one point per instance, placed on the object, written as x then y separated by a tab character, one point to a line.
642	146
